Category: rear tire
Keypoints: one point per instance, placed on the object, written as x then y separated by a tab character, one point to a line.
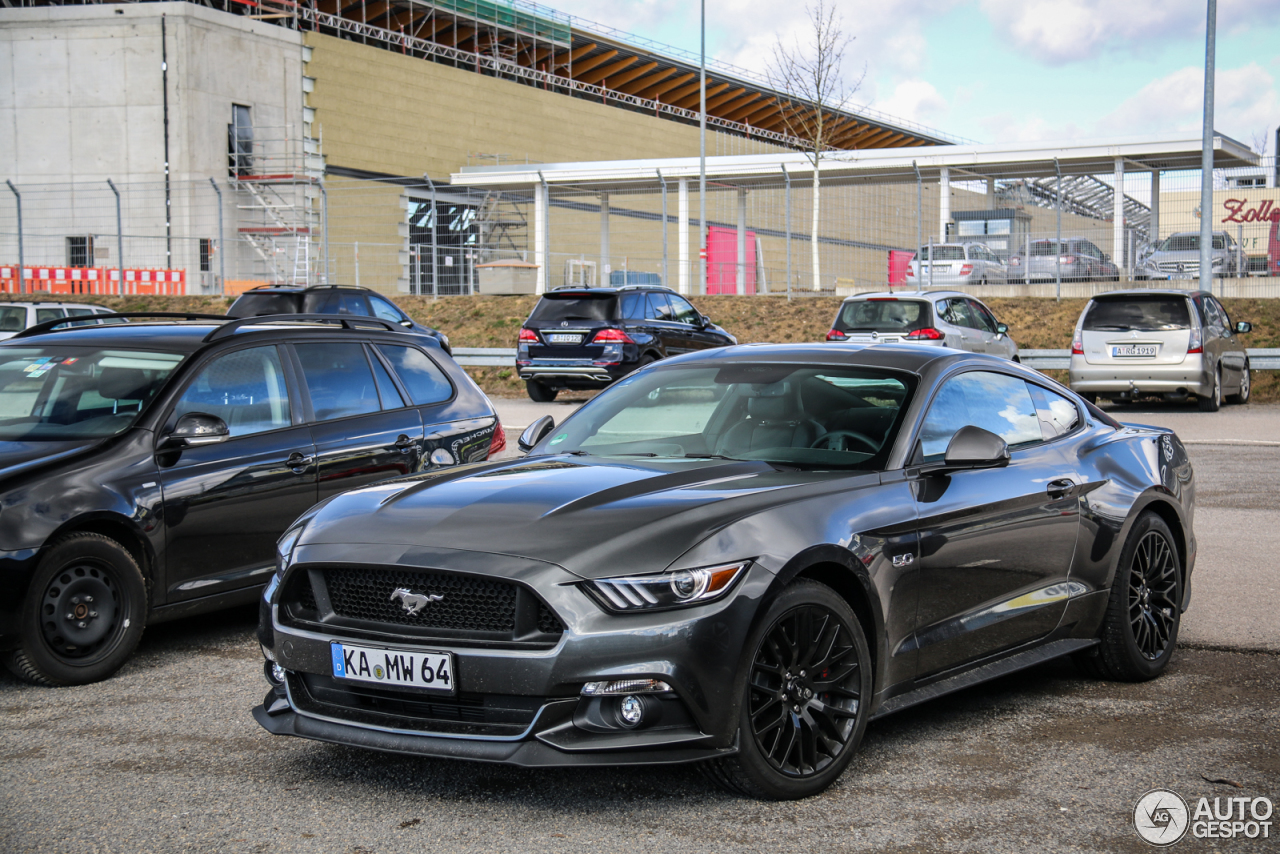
540	393
805	691
1246	387
83	613
1212	402
1140	629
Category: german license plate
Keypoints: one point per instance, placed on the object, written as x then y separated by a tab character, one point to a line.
429	669
1181	276
1134	350
562	338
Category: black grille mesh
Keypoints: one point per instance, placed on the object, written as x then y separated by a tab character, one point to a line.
469	603
548	622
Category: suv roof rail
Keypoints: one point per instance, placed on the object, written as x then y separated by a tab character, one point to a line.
638	287
52	325
348	321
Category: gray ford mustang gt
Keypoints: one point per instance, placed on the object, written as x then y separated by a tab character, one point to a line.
736	557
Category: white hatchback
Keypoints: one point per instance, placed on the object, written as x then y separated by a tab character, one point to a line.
940	318
17	316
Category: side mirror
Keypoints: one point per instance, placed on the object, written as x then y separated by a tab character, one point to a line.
1243	326
535	433
407	324
974	448
195	429
1106	257
706	321
1002	328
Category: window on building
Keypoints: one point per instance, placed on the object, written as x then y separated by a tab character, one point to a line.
240	141
206	255
80	251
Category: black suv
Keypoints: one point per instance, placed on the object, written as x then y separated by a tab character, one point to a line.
328	299
148	469
585	338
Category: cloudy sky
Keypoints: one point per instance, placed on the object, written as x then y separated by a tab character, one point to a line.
1010	70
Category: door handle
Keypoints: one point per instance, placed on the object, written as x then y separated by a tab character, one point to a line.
299	461
404	443
1060	488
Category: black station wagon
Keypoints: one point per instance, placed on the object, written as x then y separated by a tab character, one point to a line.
147	469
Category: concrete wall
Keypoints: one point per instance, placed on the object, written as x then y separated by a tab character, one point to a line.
82	100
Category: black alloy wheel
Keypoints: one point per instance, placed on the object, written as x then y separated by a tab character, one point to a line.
1140	631
540	393
83	614
1153	586
805	698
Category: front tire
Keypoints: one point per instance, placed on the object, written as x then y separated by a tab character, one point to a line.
1144	611
540	393
83	614
1246	387
1212	402
805	691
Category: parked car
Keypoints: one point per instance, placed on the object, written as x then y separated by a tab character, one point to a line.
1075	259
941	318
328	299
810	537
147	469
956	265
1167	343
17	316
586	338
1178	257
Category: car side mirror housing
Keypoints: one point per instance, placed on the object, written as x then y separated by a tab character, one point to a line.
705	321
407	324
195	429
535	433
971	448
1243	326
1106	257
1002	328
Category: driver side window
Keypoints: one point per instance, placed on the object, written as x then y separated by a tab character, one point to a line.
246	389
996	402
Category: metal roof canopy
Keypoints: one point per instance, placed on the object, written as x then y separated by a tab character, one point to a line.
883	166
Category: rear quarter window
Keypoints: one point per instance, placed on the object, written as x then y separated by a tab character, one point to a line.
424	380
557	308
1145	313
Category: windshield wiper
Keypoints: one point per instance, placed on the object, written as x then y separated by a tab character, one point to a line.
634	454
711	457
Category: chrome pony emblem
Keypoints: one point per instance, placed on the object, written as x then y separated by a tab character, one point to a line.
414	602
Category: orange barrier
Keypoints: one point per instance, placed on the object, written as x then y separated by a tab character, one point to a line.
99	281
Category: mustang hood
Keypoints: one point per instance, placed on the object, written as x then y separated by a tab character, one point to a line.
593	516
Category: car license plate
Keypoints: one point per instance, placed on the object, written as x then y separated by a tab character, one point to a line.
1135	350
1181	276
561	338
421	668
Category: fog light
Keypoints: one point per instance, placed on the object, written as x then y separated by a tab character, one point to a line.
630	711
275	674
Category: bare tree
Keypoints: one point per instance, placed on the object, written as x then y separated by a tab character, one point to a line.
1261	141
810	78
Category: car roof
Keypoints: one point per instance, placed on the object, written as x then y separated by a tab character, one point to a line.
302	289
184	336
903	357
932	296
1196	233
1143	292
605	290
50	303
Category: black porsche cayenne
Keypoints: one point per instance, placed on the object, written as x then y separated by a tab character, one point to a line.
739	558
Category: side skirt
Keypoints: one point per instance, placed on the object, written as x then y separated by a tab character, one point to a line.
983	673
216	602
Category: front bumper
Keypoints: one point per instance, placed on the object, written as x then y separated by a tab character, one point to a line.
694	650
1190	376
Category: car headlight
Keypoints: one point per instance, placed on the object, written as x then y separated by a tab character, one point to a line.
667	589
284	547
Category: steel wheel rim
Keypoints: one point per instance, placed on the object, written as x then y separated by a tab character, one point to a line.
805	691
1153	587
82	612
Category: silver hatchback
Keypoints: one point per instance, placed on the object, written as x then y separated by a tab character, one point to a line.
941	318
1159	343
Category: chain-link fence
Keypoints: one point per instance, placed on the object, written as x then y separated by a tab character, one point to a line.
1040	234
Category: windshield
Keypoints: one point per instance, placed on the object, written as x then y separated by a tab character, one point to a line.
1047	247
578	307
884	315
55	393
816	416
260	305
944	253
1189	243
1150	314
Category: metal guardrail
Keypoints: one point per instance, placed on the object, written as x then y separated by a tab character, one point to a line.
1260	359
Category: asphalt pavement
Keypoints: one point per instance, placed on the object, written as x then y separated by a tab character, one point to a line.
165	757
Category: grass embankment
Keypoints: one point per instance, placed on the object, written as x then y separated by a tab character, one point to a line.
494	321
